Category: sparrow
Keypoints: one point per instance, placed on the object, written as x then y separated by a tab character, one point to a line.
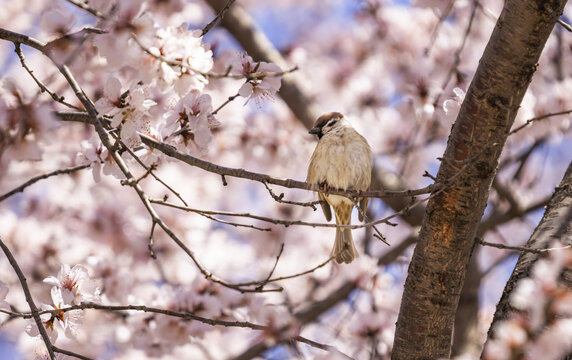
342	160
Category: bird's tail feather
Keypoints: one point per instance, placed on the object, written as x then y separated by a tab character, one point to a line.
344	250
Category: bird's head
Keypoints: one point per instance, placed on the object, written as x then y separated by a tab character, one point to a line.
326	123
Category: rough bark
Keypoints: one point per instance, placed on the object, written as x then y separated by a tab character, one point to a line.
555	224
440	260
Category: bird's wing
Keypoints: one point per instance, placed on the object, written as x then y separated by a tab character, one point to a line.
325	206
363	206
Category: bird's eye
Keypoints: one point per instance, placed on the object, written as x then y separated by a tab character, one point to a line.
332	122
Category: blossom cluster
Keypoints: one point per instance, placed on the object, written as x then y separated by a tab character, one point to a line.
165	98
72	286
151	81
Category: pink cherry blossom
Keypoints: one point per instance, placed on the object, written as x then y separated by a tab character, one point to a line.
263	79
66	322
191	122
75	284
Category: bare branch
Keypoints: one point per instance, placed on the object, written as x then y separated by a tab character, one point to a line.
149	169
263	178
181	315
522	157
289	183
41	177
83	6
151	242
41	85
442	17
70	353
565	25
459	50
218	18
378	233
22	39
287	223
269	280
278	198
554	226
519	248
34	310
538	118
228	101
329	348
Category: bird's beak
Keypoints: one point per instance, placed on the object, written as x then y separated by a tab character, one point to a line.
315	130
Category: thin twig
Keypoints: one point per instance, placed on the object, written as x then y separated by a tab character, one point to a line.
378	233
149	169
71	353
287	223
537	118
143	308
33	309
519	248
228	101
278	198
41	85
564	25
264	282
309	271
459	50
41	177
329	348
218	18
83	6
181	315
208	214
151	242
234	223
442	17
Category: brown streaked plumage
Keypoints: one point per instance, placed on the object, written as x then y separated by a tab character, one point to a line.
342	160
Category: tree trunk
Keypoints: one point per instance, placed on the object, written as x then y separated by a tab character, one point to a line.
555	224
441	257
